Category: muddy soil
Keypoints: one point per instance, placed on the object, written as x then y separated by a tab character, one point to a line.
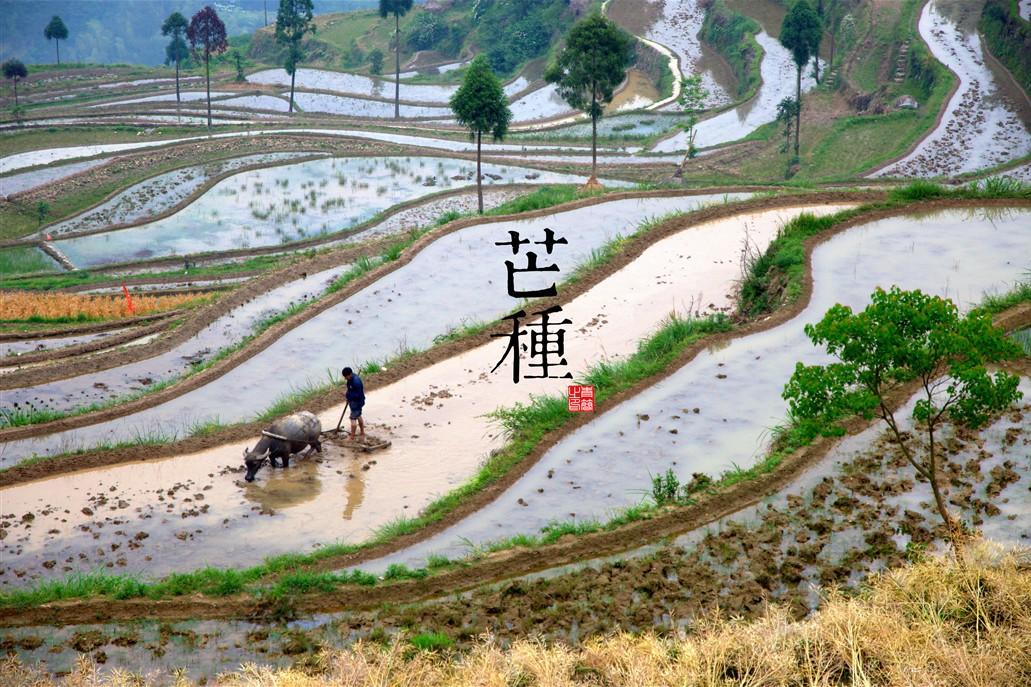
861	511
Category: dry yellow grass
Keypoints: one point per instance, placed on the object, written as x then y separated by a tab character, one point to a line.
931	624
24	305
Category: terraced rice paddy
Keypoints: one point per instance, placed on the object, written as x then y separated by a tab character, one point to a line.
272	206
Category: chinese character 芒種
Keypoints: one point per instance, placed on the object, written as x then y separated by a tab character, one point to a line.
516	241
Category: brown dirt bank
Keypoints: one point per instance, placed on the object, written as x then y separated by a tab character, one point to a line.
84	348
47	468
91	328
494	568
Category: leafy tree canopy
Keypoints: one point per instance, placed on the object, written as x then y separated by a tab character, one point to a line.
801	31
900	337
592	64
480	103
175	25
398	8
56	29
294	20
15	69
207	33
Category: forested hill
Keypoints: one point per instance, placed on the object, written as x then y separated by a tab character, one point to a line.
124	31
509	32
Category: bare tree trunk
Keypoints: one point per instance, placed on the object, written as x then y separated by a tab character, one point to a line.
479	175
594	141
57	44
293	76
798	109
818	59
16	92
397	66
266	12
178	99
207	70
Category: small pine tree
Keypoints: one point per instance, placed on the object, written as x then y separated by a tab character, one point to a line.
15	71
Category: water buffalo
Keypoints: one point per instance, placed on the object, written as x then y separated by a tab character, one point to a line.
285	437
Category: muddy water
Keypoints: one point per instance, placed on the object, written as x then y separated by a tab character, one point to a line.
32	345
638	94
16	183
159	194
859	475
272	206
778	74
119	382
718	410
47	156
434	417
981	127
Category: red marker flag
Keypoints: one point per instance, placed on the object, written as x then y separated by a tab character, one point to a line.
128	299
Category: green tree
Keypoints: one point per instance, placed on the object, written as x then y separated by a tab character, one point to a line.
587	71
176	50
207	36
292	23
15	71
787	110
800	33
398	8
42	210
692	99
480	105
57	31
376	61
904	337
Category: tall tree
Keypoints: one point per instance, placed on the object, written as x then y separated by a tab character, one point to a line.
800	33
15	71
292	23
57	31
176	50
906	337
398	8
587	71
480	104
207	36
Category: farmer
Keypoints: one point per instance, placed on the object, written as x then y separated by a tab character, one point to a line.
355	399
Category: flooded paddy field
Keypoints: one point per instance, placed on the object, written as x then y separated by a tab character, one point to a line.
438	411
16	348
363	107
719	410
778	82
185	96
34	158
26	181
981	126
272	206
404	310
784	550
160	194
118	382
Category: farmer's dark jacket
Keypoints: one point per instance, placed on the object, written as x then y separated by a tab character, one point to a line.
355	391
